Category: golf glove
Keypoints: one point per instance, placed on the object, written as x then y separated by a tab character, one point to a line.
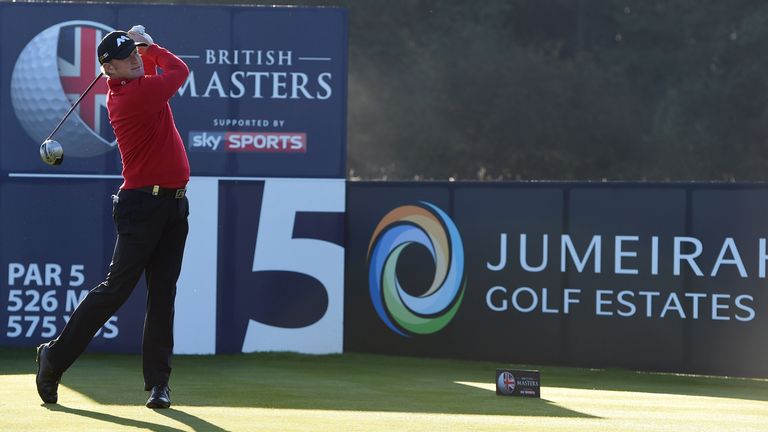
139	30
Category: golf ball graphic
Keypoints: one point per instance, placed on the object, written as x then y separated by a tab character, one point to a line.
38	93
506	383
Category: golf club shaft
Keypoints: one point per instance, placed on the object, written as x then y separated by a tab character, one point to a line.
74	105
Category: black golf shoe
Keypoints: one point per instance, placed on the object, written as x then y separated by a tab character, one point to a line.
160	397
47	379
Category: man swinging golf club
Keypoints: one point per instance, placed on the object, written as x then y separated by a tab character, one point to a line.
150	213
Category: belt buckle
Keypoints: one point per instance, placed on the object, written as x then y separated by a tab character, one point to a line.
180	193
155	190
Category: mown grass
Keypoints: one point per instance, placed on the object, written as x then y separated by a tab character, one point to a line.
283	392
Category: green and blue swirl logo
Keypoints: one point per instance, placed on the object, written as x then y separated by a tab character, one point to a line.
429	226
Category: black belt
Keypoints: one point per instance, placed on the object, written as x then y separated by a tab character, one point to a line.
164	192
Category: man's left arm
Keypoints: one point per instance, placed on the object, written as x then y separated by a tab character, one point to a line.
175	72
158	89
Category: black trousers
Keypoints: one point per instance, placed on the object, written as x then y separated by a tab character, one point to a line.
151	233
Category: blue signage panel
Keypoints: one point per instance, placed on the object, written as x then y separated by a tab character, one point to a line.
729	227
666	277
266	94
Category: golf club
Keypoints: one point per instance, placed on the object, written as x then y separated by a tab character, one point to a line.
51	152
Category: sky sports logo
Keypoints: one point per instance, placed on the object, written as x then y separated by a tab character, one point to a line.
258	142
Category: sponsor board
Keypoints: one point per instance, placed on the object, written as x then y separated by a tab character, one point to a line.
672	277
514	382
270	83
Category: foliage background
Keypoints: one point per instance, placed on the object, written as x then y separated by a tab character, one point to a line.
558	90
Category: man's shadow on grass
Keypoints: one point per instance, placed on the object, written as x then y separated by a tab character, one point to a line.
196	423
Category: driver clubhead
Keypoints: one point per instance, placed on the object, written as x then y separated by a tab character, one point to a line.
51	152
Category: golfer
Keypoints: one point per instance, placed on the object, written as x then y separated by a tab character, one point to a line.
150	213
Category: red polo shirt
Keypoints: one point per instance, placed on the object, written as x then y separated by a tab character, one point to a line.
150	146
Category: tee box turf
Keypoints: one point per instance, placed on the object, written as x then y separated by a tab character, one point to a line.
513	382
